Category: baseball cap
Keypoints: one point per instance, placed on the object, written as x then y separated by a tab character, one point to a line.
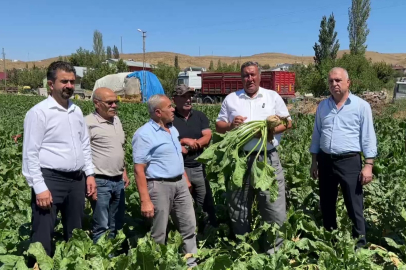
182	89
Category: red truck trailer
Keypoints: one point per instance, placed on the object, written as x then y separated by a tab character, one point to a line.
216	86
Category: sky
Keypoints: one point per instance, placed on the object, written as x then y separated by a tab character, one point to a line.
35	30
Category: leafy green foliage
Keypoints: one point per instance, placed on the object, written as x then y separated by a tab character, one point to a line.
328	46
307	245
358	31
168	76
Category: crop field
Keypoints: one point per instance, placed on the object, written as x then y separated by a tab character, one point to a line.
307	245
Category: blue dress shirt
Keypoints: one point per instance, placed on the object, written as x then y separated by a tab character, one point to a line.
348	129
160	150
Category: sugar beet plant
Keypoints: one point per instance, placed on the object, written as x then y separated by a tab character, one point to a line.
307	245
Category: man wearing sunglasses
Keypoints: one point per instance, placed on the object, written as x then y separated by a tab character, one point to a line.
107	141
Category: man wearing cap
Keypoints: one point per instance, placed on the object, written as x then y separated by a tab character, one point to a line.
194	134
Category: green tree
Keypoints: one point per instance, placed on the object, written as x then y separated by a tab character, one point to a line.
93	74
98	48
84	58
328	46
108	52
357	26
266	66
211	66
168	76
116	54
219	66
122	66
176	62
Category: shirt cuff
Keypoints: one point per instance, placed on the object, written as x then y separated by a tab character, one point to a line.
89	171
40	187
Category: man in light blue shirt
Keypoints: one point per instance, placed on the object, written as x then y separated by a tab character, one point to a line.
159	173
343	129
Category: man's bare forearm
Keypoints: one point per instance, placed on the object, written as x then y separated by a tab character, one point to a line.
281	128
141	181
223	127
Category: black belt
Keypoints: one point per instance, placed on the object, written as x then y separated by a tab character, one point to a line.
111	178
340	156
72	174
256	152
172	179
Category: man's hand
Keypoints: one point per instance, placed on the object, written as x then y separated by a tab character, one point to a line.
184	150
190	142
147	209
314	170
238	120
44	200
126	180
90	186
366	174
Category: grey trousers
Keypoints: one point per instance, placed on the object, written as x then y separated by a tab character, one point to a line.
240	201
173	198
201	192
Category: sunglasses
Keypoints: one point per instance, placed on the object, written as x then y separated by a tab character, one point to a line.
110	103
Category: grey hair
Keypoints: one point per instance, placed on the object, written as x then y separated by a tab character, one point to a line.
249	64
342	69
154	102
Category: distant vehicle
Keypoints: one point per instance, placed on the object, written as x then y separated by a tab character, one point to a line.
215	86
190	77
399	91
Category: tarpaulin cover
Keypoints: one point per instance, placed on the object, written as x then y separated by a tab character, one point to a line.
152	86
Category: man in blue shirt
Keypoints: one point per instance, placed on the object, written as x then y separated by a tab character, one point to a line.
160	176
343	129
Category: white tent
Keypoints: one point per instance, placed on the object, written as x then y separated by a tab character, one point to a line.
119	83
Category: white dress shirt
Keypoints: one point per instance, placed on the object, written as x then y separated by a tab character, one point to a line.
54	138
264	104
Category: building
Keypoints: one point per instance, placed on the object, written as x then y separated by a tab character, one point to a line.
132	65
282	67
399	68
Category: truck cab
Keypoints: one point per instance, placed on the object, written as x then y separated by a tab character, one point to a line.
190	77
399	90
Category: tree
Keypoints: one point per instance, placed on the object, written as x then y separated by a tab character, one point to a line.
328	45
266	66
116	54
98	48
176	62
84	58
168	76
108	52
92	75
211	67
357	26
122	66
219	66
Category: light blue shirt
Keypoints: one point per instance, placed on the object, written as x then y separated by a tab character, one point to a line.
161	151
348	129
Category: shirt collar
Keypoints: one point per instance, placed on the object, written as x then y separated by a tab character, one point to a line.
156	126
348	101
101	119
178	114
53	104
260	94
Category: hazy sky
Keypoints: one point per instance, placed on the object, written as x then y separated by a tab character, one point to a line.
35	30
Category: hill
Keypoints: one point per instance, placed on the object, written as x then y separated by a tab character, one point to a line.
204	61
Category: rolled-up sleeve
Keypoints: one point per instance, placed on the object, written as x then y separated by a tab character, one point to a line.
141	149
223	114
280	107
34	130
315	144
368	136
87	150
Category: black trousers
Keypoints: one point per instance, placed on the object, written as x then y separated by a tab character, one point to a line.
68	192
343	171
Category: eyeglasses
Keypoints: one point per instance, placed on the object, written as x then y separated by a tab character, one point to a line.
110	103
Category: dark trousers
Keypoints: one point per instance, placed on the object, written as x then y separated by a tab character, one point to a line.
201	192
68	195
343	171
108	210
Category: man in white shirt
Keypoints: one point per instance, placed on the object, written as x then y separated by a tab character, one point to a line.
255	103
56	158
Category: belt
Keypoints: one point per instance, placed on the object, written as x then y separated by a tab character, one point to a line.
256	152
111	178
172	179
343	155
72	174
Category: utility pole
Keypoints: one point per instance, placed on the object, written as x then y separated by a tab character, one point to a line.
143	63
5	72
121	44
